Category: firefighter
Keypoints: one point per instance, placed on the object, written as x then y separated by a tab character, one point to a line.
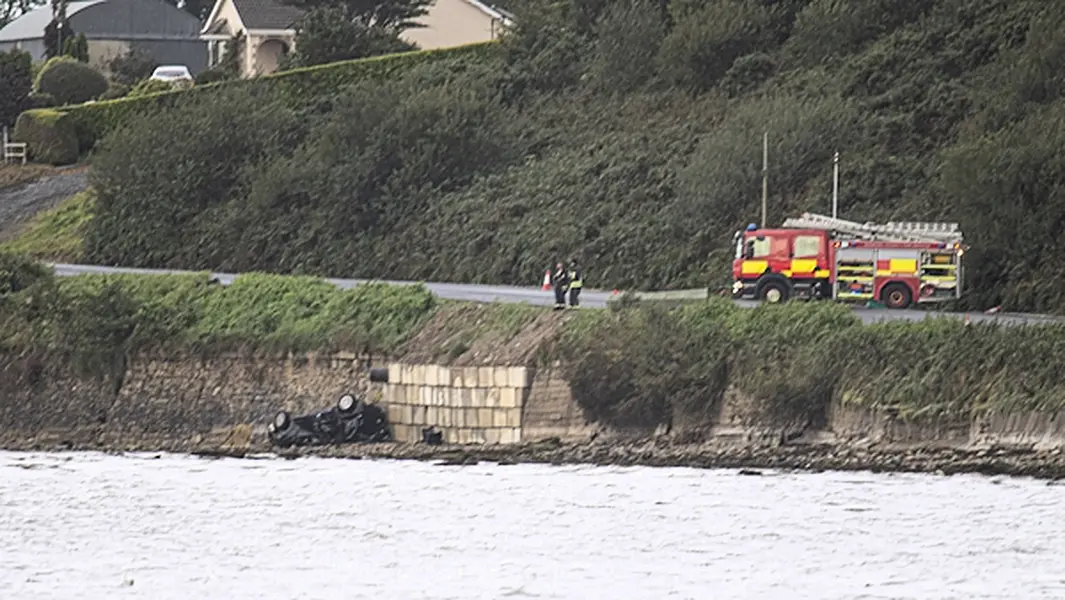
576	282
560	282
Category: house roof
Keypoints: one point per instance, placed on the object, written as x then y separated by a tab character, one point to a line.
218	28
267	14
30	26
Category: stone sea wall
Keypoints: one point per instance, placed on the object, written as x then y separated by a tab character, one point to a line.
154	402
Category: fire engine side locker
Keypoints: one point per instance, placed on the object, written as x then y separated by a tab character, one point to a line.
855	270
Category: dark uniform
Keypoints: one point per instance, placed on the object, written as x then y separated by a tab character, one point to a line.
576	282
560	282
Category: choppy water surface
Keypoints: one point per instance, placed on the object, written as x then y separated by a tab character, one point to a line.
92	526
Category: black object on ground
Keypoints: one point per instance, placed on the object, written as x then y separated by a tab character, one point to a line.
350	421
379	375
431	436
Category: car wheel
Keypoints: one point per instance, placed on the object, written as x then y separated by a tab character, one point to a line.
346	403
281	421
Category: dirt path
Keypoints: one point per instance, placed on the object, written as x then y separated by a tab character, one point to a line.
19	203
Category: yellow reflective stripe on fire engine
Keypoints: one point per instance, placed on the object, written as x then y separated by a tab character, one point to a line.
903	265
803	265
754	267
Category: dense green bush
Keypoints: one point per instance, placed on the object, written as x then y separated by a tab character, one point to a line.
299	87
16	82
146	87
49	134
129	68
327	34
70	81
135	178
628	37
18	272
709	36
786	365
41	100
115	90
358	166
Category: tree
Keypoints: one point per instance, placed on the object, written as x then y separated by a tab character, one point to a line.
52	45
196	8
325	35
132	67
13	9
388	15
16	82
77	47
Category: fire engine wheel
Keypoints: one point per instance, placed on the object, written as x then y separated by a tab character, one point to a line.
773	291
896	295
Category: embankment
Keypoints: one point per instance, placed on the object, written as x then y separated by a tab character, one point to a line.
176	363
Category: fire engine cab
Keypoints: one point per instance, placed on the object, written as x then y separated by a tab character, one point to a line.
819	257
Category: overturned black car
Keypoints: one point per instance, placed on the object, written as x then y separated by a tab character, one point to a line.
350	421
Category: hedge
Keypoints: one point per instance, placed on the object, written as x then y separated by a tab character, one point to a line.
70	81
95	120
50	134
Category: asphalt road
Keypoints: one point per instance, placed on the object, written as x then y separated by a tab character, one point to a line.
589	298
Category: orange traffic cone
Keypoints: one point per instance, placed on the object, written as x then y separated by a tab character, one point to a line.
547	280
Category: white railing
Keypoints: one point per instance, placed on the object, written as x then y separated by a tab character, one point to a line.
13	150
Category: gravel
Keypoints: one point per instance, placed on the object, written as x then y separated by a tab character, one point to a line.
18	204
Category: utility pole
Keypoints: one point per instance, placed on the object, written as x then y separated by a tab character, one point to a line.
765	175
835	185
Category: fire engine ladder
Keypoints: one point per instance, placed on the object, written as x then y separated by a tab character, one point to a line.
900	231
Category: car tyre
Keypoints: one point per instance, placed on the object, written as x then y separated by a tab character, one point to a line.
281	421
346	403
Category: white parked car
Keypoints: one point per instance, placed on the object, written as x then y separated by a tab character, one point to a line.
177	75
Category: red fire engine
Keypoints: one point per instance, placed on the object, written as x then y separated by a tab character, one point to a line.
821	257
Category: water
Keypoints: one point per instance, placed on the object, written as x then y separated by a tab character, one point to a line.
92	526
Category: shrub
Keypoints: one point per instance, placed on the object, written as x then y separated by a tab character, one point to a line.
41	100
16	68
640	368
748	72
835	28
708	37
19	272
115	90
327	34
628	37
129	68
213	75
69	81
297	87
134	174
77	48
147	87
49	134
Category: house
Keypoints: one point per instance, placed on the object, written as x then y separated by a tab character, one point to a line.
113	27
268	28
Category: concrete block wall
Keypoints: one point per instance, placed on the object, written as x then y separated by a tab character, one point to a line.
469	405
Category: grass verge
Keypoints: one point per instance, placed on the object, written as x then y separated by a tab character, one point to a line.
57	234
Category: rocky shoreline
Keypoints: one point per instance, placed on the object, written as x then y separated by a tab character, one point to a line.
1020	462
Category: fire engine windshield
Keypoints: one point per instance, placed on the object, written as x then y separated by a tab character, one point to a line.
739	244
